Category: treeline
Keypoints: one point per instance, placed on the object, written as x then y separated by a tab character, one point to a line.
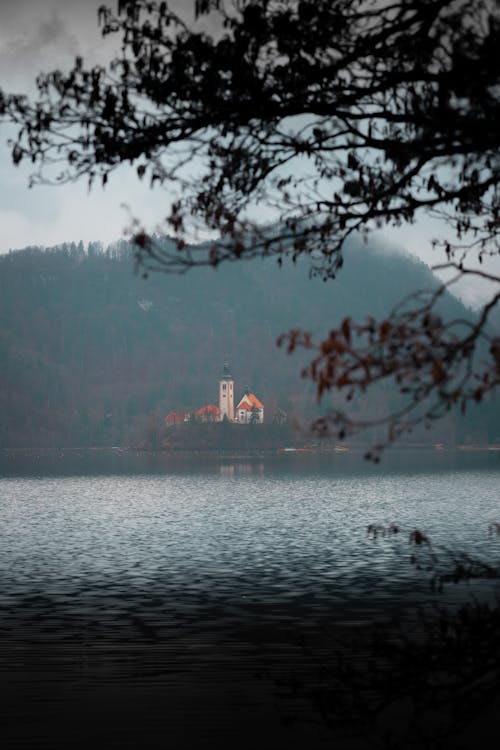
91	353
223	436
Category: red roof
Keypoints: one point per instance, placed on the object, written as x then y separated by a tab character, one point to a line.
255	401
209	409
248	401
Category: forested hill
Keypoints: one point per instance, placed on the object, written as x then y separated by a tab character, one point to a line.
93	354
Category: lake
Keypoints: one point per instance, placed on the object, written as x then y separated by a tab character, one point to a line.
197	559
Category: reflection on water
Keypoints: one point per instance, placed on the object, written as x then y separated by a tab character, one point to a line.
120	461
233	545
233	469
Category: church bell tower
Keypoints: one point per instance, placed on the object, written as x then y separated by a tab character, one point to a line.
226	394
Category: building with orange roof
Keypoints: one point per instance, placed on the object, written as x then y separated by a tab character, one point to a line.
250	409
209	413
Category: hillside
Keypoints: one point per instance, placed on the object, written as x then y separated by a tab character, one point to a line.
93	354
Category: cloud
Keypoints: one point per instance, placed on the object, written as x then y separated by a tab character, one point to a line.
53	30
40	36
39	41
48	34
45	34
50	215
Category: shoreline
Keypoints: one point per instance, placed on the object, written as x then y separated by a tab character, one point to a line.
220	453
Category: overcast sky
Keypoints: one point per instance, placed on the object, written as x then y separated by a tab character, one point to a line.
39	35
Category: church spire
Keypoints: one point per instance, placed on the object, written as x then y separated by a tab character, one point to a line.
226	394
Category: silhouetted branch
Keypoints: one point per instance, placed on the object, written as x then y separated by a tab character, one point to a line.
329	118
412	683
435	365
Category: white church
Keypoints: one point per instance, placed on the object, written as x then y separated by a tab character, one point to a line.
249	409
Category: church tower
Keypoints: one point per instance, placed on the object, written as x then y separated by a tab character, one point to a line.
226	394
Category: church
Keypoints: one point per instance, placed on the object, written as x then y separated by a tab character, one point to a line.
248	410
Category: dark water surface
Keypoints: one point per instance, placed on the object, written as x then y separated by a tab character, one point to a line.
169	584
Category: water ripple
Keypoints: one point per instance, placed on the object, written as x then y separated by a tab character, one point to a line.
149	555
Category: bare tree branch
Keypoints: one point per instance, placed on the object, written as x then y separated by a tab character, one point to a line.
335	117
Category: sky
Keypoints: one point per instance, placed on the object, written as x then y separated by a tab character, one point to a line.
40	35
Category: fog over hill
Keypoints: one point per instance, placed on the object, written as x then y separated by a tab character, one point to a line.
93	354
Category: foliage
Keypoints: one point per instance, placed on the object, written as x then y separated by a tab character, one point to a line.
229	438
327	117
434	685
430	680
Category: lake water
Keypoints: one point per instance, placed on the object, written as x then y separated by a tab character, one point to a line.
151	601
228	548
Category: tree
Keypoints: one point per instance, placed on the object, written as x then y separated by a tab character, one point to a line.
254	416
337	117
